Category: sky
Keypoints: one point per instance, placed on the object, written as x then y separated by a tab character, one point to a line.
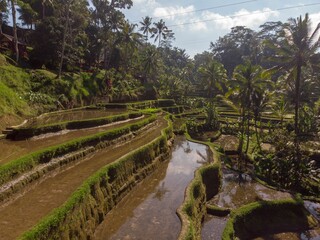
196	23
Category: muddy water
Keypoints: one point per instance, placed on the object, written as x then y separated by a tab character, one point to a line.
149	211
11	150
80	114
236	192
52	192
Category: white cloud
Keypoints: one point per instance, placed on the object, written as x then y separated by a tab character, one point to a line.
243	17
315	20
174	13
145	6
187	18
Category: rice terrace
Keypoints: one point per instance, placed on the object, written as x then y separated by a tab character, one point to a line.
109	130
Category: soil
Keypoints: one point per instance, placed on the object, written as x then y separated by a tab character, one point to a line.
11	150
21	214
9	120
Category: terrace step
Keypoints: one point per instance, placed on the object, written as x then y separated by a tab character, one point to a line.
7	131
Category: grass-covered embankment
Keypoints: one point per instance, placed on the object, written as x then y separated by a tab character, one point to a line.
86	208
140	104
204	186
266	217
27	132
17	167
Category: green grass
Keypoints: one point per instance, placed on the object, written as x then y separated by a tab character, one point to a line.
16	167
27	132
205	185
113	175
259	218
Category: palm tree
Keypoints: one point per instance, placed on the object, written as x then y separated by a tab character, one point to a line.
248	81
3	12
27	15
14	24
161	32
280	108
213	76
261	98
150	62
44	3
146	26
298	49
130	39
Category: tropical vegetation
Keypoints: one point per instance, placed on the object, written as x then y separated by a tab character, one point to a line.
261	86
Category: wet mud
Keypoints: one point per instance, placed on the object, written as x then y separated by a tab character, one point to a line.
27	210
149	211
11	150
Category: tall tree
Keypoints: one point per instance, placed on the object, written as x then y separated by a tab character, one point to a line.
130	39
299	48
14	24
246	82
146	28
213	76
3	12
161	32
27	15
236	47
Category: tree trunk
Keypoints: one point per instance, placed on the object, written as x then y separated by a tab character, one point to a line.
297	100
15	36
65	30
297	154
256	130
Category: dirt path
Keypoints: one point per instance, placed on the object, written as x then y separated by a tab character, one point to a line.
26	211
11	150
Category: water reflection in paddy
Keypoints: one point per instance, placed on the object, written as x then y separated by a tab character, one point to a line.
234	194
149	211
81	114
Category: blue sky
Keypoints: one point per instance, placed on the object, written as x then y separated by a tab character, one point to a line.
211	19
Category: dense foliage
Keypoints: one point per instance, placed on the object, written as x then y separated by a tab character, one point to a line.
80	53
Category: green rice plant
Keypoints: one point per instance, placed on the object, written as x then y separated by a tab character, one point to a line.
113	176
16	167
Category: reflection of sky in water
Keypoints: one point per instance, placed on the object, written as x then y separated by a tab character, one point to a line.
153	215
235	193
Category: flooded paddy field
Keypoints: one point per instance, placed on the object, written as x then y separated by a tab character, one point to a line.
11	150
74	115
149	211
26	211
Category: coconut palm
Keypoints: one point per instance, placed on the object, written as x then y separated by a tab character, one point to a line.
299	48
130	39
150	63
247	84
14	25
3	12
213	76
161	32
146	26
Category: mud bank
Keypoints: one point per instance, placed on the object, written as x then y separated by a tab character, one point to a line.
87	207
205	185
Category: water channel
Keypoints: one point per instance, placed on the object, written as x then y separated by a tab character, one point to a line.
149	211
